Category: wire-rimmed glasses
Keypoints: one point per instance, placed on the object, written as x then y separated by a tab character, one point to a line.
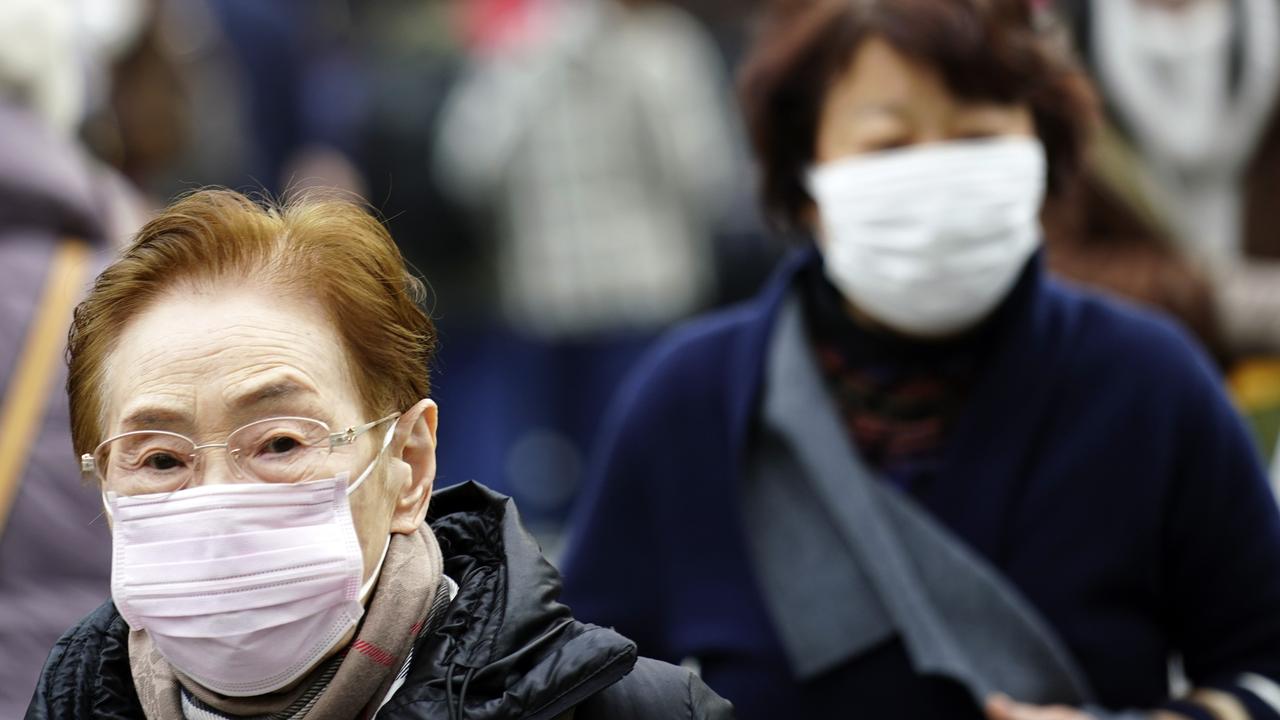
274	450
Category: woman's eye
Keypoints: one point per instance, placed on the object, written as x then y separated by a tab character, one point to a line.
280	445
976	135
888	139
162	461
884	145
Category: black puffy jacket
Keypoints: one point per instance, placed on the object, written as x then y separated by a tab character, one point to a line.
506	648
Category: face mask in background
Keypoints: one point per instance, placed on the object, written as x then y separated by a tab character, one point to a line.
242	587
929	239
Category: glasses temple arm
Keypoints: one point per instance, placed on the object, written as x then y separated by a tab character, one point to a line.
349	435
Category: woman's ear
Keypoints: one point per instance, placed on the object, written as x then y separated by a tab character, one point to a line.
414	444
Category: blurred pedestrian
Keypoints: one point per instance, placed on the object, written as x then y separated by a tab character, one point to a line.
59	208
917	476
600	142
1191	89
593	138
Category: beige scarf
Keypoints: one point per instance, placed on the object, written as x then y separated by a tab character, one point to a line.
351	684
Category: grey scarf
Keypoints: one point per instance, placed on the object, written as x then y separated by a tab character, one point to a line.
847	562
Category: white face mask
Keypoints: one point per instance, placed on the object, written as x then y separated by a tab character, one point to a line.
929	239
242	587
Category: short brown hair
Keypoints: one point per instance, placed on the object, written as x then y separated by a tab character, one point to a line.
330	249
985	50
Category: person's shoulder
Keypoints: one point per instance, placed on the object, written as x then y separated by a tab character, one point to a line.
78	665
1112	338
699	349
690	366
656	690
708	336
102	625
710	343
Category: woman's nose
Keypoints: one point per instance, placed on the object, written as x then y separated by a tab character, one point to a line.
214	466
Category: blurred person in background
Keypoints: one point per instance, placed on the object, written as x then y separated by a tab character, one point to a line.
302	87
248	389
594	139
1184	171
58	207
411	53
169	105
916	476
1191	87
265	95
414	53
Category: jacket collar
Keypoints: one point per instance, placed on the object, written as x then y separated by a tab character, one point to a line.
506	643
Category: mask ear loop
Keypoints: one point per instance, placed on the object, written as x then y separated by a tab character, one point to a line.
377	571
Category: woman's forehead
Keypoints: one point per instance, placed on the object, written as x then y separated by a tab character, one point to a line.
220	352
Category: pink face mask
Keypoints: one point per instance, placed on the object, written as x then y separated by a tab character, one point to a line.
242	587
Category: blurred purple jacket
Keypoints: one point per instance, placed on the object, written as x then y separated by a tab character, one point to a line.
54	549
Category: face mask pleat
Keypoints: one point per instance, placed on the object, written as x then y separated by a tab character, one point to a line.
231	549
231	573
205	498
192	599
199	622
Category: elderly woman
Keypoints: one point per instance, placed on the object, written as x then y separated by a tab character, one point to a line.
916	477
248	387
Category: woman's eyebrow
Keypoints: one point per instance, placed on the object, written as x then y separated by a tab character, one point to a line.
270	386
288	396
148	417
271	392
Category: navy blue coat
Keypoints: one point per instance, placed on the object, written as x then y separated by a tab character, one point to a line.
1097	464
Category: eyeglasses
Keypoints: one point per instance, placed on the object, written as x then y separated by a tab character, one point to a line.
275	450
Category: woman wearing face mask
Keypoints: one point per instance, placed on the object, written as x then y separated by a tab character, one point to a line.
916	477
247	387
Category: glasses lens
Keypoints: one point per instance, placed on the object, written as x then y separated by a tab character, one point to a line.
145	462
280	450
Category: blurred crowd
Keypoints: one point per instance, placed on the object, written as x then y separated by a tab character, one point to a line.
573	178
570	177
